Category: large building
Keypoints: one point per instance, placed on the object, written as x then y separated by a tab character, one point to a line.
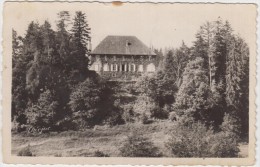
122	58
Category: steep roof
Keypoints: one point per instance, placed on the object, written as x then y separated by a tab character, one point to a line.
122	45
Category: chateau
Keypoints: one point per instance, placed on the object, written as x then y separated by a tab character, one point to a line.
122	58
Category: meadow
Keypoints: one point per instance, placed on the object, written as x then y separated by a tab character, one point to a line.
104	139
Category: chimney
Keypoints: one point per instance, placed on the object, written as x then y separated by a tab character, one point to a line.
127	46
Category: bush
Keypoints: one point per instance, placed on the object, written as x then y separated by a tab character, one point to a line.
172	116
159	113
143	105
138	146
231	124
100	154
128	113
25	152
144	119
42	113
224	145
196	140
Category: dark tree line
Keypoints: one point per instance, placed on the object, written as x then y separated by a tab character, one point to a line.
208	82
51	76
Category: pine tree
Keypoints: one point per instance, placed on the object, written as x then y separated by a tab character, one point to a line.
78	49
192	97
181	57
237	78
63	38
19	95
63	21
81	33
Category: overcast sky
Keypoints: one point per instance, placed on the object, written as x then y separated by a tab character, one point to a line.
157	25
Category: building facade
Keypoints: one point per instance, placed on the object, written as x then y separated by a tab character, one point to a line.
122	58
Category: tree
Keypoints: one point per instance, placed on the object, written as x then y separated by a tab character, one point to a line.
19	94
81	32
195	98
78	61
42	114
84	103
181	57
63	21
194	91
237	79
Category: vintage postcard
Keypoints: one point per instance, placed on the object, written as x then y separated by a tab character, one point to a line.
129	83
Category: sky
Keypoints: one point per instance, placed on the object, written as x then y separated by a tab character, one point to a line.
157	25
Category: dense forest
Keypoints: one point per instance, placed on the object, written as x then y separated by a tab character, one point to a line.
202	89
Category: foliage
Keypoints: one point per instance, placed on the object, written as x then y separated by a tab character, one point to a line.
138	146
144	119
231	125
115	116
84	102
173	116
42	114
196	140
128	113
26	151
100	154
143	105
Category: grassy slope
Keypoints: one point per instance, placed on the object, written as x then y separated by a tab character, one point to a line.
105	139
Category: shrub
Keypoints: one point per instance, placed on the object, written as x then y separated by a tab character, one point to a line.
115	118
25	152
189	141
42	113
144	119
159	113
231	124
143	105
128	113
100	154
172	116
224	145
138	146
196	140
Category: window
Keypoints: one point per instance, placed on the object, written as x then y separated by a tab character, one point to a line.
96	67
132	67
97	58
141	68
106	67
150	67
114	67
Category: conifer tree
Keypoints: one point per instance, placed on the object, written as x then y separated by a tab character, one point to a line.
79	48
237	79
18	78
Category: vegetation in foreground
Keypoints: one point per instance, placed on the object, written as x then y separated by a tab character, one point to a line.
104	141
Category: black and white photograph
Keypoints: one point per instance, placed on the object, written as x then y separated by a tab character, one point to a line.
129	80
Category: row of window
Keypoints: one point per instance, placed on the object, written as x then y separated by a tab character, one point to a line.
124	67
97	57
